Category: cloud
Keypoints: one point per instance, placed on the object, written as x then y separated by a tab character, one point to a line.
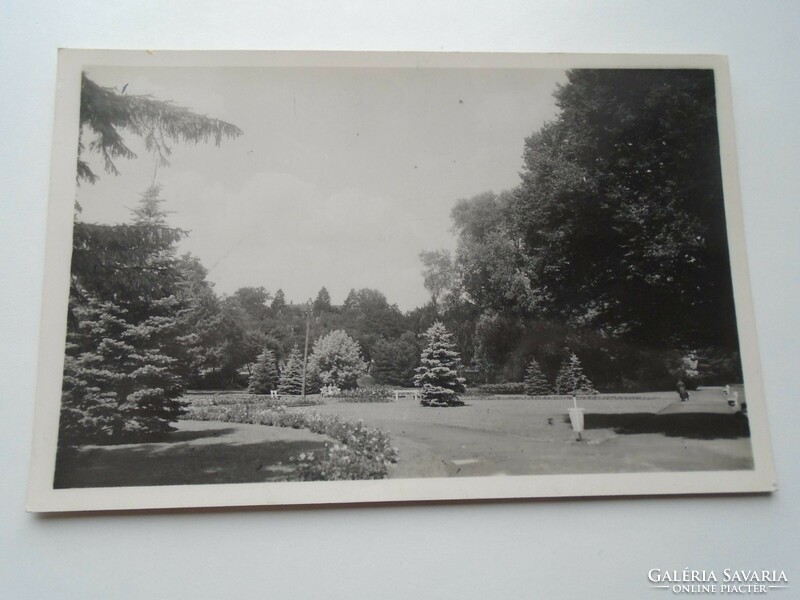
277	230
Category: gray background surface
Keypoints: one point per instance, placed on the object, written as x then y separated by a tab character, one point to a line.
542	549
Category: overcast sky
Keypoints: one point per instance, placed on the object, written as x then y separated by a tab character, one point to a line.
341	177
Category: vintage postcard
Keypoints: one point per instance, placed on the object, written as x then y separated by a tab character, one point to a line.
285	278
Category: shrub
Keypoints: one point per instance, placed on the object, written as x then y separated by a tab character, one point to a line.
509	388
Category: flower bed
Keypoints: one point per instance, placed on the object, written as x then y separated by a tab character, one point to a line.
362	453
371	393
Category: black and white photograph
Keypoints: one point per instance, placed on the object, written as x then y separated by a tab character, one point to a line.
310	278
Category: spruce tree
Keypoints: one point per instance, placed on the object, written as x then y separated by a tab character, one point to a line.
128	341
121	376
535	381
291	379
571	378
438	373
264	377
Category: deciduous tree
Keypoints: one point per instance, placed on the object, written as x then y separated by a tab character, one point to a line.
336	360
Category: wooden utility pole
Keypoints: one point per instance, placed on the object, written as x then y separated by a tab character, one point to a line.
305	348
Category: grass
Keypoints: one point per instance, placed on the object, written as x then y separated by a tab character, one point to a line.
526	436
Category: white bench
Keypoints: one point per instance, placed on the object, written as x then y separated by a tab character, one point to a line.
405	394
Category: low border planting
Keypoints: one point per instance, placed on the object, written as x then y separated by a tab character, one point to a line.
361	452
261	400
372	393
512	388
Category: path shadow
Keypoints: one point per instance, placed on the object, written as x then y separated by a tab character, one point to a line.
179	463
167	437
701	426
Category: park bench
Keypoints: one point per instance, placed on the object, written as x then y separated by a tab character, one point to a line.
405	394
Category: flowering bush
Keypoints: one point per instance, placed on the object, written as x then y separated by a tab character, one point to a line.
362	453
340	463
373	393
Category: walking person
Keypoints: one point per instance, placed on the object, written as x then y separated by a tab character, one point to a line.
682	391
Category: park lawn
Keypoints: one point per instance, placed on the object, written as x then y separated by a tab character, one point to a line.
497	435
518	435
198	452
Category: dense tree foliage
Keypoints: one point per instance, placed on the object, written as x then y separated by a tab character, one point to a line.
620	209
395	361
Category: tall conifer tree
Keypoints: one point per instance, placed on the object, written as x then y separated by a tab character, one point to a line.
291	379
265	374
438	373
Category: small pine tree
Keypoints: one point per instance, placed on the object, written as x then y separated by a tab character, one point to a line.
438	373
535	381
291	379
571	379
265	375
